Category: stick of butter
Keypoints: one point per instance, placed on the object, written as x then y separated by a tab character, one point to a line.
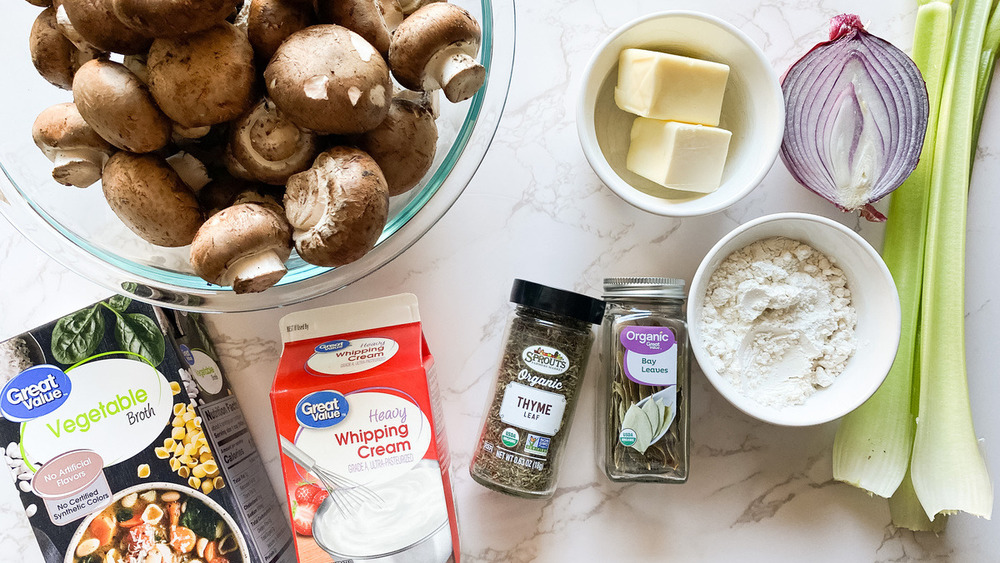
670	87
677	155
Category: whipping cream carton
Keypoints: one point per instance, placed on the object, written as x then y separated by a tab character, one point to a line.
127	445
364	454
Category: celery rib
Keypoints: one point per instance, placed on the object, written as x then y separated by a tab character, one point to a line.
947	468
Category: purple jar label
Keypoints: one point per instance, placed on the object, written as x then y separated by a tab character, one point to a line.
650	355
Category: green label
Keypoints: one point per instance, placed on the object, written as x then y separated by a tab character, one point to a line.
509	437
627	437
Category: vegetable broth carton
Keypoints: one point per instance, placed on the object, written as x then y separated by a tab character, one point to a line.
127	444
364	454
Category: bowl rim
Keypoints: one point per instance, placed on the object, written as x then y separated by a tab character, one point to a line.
586	131
770	414
215	505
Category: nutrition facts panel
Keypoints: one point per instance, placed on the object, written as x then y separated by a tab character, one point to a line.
243	469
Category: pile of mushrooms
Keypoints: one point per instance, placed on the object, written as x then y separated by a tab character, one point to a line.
247	128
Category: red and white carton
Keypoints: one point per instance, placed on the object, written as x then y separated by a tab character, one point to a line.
364	455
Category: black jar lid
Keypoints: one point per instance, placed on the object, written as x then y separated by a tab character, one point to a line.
557	301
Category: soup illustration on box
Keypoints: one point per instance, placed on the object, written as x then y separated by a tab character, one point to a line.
365	459
127	445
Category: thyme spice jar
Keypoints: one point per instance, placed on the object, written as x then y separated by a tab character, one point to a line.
643	405
546	347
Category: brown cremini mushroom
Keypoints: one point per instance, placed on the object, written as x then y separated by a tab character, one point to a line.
202	79
77	152
164	18
244	246
270	22
96	22
329	79
404	143
266	147
367	18
40	3
435	47
119	107
337	208
151	199
55	57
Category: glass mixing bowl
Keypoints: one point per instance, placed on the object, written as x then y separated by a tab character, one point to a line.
77	228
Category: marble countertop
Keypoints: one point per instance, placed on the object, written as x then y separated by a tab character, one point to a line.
757	491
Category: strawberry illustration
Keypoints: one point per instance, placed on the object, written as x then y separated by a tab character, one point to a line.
306	493
302	518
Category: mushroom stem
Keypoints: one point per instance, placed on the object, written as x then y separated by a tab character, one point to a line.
255	272
458	74
191	170
66	26
78	167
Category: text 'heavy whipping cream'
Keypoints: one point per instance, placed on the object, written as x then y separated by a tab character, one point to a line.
365	464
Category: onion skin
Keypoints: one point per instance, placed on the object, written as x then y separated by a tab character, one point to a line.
856	112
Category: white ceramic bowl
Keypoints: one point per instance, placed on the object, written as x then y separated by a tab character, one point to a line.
874	297
753	109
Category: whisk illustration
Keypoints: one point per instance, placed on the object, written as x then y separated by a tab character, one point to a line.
347	495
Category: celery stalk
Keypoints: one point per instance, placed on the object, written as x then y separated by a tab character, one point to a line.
947	468
904	506
873	443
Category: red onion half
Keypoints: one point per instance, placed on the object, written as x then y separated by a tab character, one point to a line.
855	116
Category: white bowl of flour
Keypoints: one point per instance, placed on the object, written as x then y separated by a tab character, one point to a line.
794	318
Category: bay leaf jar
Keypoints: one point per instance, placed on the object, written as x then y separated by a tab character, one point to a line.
546	347
643	393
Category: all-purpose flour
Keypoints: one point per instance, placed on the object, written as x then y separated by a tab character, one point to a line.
778	321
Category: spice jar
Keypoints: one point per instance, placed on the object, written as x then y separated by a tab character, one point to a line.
643	402
546	347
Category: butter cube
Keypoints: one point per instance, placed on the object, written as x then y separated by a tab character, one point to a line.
670	87
677	155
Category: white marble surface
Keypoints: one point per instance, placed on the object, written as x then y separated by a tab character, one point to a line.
535	210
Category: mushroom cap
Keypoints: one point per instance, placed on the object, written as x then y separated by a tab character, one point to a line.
404	144
119	107
202	79
61	127
151	199
71	144
364	17
270	22
238	232
425	32
97	23
266	147
40	3
164	18
55	57
338	207
329	79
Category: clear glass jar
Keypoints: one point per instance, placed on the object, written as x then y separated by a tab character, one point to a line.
643	401
546	347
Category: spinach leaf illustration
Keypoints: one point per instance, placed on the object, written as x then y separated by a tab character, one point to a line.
77	336
139	334
119	303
